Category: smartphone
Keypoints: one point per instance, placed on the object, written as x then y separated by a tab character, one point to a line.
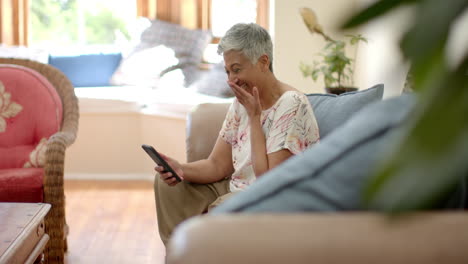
160	161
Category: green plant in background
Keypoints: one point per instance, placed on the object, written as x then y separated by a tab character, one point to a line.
432	157
57	22
334	65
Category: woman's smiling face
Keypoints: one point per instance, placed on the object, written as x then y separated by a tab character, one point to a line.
240	69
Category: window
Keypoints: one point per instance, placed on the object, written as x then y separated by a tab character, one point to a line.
220	15
209	14
59	23
224	14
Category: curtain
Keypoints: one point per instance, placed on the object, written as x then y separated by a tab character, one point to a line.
263	10
167	10
146	8
203	14
14	22
182	12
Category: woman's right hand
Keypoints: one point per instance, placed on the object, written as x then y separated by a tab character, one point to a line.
248	97
167	177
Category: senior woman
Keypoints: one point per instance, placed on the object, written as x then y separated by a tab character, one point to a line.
268	122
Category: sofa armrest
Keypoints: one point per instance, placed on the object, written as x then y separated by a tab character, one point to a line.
203	125
321	238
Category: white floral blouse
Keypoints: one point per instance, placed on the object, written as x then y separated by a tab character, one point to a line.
289	124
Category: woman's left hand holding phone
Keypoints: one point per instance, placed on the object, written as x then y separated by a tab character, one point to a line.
167	177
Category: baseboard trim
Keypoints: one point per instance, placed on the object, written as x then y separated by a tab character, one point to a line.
109	176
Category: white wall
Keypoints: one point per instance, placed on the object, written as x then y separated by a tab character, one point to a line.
378	61
108	145
293	43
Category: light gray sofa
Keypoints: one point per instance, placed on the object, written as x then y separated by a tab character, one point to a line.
309	209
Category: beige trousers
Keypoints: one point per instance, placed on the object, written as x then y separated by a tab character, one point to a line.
175	204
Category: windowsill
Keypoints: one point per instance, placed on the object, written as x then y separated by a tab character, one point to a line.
170	102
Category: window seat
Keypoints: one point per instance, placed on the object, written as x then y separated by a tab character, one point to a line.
166	101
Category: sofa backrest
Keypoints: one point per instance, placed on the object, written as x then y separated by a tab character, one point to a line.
30	112
203	125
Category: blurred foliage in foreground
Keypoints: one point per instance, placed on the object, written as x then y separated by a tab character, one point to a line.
433	156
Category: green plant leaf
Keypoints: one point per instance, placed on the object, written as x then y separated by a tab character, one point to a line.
375	10
418	42
329	45
431	158
354	39
431	69
335	66
305	69
314	74
423	46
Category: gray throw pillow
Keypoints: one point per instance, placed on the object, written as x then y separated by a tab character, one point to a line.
188	45
214	82
330	175
149	60
333	110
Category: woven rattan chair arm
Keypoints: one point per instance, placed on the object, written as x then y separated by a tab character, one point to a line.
54	194
63	137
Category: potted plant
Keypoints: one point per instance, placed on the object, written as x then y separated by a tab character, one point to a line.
334	65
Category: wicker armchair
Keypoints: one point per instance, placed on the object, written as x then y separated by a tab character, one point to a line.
53	183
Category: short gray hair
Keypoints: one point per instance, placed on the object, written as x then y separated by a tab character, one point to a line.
251	39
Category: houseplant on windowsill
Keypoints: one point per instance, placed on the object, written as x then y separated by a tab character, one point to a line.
334	65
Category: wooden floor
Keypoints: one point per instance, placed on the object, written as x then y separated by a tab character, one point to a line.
112	222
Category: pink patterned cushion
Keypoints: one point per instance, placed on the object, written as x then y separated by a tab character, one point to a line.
30	110
21	185
15	157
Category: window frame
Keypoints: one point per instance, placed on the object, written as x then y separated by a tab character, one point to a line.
200	14
204	15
